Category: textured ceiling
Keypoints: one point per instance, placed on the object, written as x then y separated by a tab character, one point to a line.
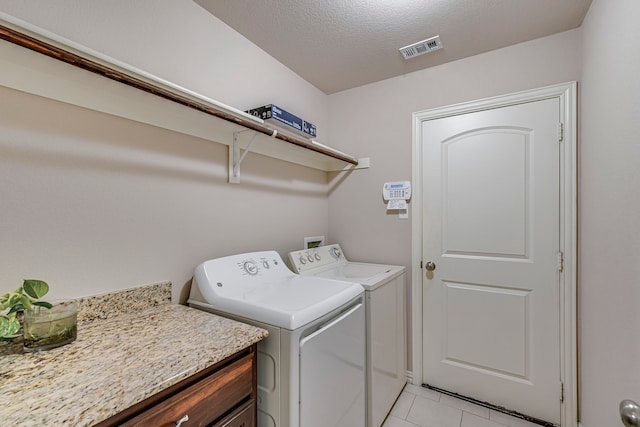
340	44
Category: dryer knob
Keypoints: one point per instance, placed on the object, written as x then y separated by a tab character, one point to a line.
303	260
317	256
310	258
251	267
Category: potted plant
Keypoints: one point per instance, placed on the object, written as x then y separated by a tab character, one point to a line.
45	325
23	298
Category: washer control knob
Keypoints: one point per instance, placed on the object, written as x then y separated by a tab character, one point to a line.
335	252
265	263
317	256
251	267
310	258
303	260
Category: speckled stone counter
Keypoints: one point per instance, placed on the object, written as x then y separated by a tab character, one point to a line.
115	363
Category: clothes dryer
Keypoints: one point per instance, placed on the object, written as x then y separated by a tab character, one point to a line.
385	307
311	367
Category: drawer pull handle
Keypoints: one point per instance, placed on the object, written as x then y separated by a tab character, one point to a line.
182	420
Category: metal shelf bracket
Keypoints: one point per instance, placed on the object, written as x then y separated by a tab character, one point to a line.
235	158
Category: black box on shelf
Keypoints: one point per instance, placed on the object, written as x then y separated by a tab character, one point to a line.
272	112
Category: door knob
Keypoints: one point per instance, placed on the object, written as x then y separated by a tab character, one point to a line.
630	413
430	266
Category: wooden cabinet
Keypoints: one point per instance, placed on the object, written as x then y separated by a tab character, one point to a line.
242	417
223	395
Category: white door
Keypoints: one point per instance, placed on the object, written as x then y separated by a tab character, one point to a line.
491	226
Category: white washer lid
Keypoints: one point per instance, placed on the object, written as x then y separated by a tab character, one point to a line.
368	275
272	295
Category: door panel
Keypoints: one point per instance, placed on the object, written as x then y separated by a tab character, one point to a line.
480	344
491	226
492	192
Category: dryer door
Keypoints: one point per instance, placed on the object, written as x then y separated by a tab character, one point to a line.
332	373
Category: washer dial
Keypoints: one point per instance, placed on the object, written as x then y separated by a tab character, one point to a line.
250	267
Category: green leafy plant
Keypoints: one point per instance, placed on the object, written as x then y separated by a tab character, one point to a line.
23	298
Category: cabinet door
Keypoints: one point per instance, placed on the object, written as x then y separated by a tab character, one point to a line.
205	401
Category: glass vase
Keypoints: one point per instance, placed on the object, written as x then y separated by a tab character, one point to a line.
46	328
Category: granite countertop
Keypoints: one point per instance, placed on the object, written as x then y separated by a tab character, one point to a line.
115	363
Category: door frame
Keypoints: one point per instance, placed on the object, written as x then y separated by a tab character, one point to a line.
567	94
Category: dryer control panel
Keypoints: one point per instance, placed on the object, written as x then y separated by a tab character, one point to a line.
308	259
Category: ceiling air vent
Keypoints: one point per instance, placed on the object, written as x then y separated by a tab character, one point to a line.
420	48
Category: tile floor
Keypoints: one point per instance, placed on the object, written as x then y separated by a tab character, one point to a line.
419	406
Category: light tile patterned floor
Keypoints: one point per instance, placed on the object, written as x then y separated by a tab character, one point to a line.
419	406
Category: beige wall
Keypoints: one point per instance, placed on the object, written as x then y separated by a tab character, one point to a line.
94	203
376	120
609	211
181	42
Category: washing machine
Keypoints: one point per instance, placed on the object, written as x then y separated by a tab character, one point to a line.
385	307
311	367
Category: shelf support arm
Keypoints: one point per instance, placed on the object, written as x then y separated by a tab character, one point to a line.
235	159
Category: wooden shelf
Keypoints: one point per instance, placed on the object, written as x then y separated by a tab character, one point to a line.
44	64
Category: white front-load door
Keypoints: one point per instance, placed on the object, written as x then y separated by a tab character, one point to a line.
491	229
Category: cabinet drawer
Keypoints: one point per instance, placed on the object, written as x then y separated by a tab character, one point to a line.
205	401
242	417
